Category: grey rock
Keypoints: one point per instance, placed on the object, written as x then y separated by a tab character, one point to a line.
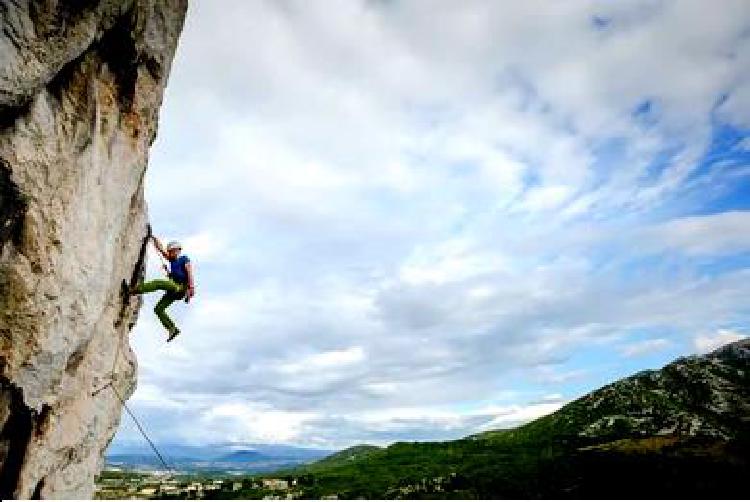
81	84
705	396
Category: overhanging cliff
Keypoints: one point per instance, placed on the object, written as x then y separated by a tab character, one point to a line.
81	83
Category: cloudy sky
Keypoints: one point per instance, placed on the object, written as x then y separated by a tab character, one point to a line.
419	220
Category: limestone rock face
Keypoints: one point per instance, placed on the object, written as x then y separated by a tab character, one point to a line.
707	396
81	83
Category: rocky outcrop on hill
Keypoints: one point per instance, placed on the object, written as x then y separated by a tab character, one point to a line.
705	395
80	88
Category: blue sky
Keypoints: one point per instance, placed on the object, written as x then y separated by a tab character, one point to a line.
420	220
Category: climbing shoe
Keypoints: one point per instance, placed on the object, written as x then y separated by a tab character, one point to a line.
173	334
125	290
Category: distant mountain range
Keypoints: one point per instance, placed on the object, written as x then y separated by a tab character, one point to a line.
680	432
229	457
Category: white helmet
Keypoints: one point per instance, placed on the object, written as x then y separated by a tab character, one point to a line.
174	245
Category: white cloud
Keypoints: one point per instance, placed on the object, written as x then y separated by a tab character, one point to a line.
744	144
645	347
548	375
711	341
245	423
382	388
721	233
207	246
511	416
545	198
473	420
400	208
324	361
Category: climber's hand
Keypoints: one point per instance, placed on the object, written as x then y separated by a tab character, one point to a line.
190	293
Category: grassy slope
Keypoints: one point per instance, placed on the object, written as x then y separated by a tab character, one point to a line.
549	458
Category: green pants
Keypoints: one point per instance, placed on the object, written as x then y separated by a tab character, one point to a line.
173	291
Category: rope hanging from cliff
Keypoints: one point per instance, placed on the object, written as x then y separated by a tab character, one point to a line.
132	415
140	428
110	384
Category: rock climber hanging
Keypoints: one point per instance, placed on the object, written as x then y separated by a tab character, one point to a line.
179	283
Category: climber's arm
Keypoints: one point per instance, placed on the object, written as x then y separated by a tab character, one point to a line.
191	282
159	247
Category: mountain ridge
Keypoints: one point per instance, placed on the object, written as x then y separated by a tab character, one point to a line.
682	431
689	396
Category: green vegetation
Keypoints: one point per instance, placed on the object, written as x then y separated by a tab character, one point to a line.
522	464
346	456
676	433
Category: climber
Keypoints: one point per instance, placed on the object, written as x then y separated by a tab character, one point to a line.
177	286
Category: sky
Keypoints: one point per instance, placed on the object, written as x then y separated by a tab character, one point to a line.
415	221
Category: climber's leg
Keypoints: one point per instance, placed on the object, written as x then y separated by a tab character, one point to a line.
167	285
161	310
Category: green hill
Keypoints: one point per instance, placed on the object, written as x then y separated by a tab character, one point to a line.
680	432
343	457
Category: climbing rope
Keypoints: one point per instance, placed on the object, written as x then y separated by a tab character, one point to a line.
140	428
132	415
164	263
110	384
